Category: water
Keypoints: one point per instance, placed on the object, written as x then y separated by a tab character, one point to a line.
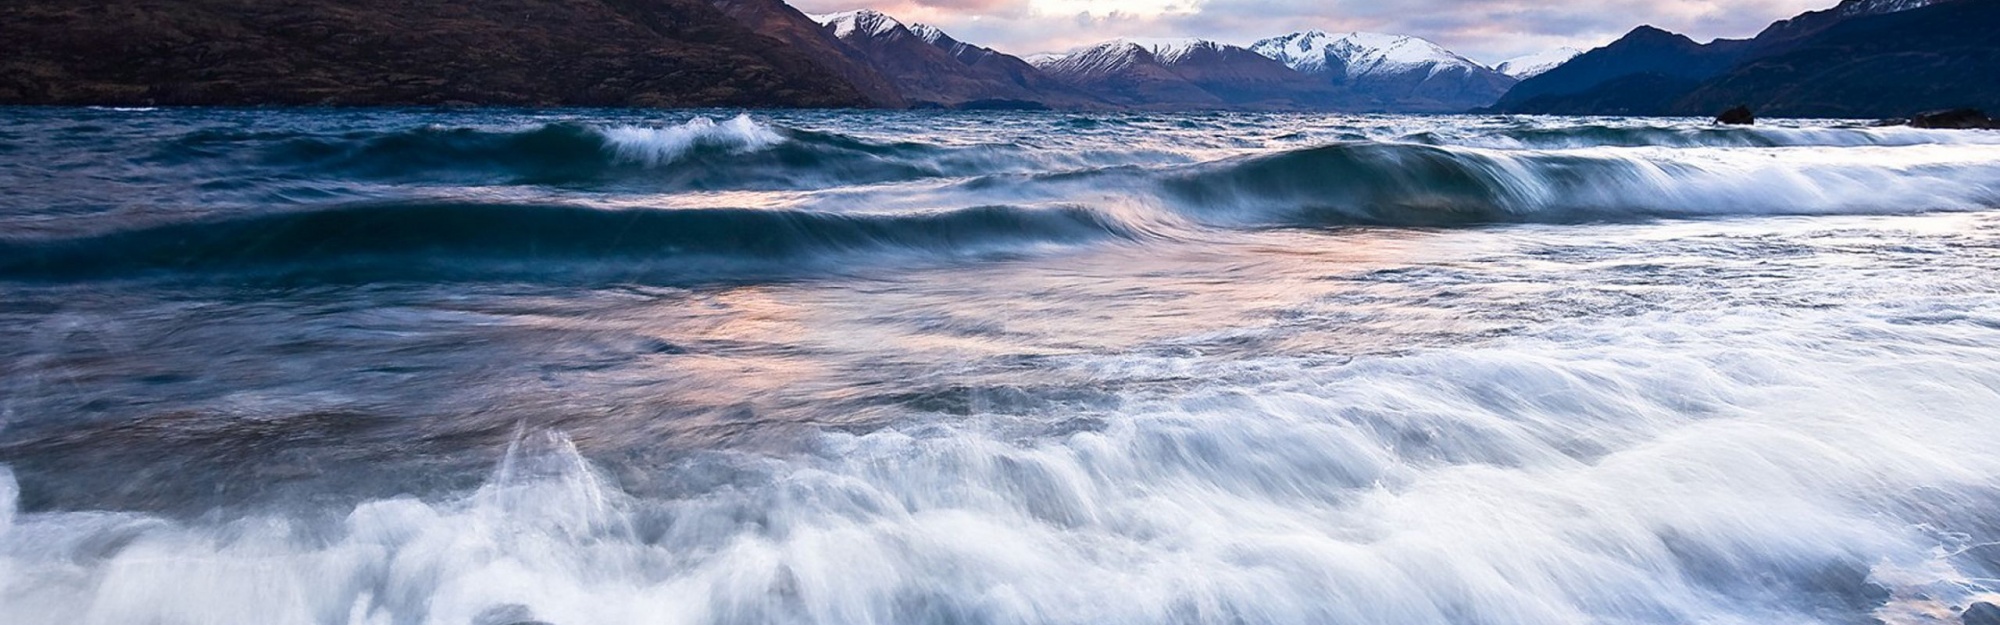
479	368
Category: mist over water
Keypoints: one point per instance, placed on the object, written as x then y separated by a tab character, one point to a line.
575	367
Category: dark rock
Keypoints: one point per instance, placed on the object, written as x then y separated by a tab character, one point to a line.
402	52
1954	119
1981	613
509	614
1739	116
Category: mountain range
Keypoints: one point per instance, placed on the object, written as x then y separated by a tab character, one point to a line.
1859	58
1184	74
1392	73
929	68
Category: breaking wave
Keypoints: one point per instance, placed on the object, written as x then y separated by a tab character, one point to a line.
1416	185
1698	136
784	199
700	154
1344	184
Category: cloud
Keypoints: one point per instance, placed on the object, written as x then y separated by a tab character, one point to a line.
1486	30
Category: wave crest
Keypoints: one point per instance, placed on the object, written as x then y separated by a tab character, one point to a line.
1421	185
470	241
659	146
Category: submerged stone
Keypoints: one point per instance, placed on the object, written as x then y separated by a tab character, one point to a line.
1739	116
1981	613
1953	119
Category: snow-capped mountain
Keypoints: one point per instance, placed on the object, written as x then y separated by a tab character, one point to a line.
1395	73
1529	66
930	68
1358	53
864	22
1185	73
1039	59
1852	8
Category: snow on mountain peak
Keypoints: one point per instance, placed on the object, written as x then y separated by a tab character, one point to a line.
846	23
1044	59
931	33
1360	53
1528	66
1171	50
1109	56
1852	8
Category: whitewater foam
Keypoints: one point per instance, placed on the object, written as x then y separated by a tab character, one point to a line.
661	146
1390	184
1700	469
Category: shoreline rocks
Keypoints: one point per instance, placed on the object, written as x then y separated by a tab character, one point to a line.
1955	119
1739	116
1981	613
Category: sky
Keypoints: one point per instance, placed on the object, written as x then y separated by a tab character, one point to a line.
1484	30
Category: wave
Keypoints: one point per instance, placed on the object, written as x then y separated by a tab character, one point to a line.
1418	185
432	240
1019	199
1342	184
699	155
1702	136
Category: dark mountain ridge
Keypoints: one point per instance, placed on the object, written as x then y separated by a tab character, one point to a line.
1862	58
927	67
778	20
1890	65
664	53
1629	76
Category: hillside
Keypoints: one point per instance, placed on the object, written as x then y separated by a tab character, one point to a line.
1642	73
929	68
778	20
668	53
1891	65
1861	58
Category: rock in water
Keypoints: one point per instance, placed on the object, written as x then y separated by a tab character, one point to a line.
1981	613
508	614
1954	118
1739	116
